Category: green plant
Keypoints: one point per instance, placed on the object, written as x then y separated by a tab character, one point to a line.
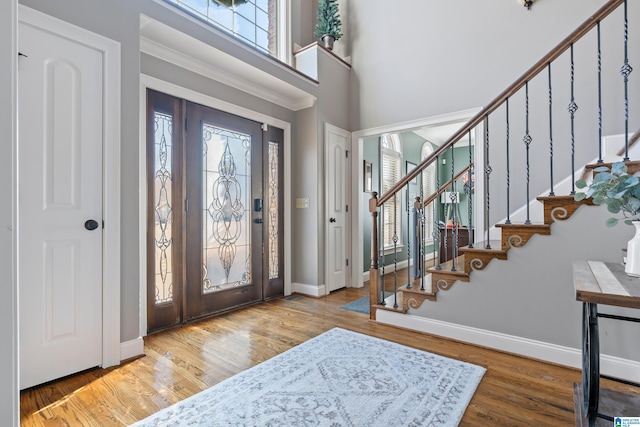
328	20
615	188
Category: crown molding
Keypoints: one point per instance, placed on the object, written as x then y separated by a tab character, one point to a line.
171	45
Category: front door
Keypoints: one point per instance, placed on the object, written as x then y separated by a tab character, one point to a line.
224	173
60	89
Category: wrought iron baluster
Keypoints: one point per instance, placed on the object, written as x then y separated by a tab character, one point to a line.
487	173
527	142
471	189
453	199
599	97
395	250
573	107
436	226
625	71
409	238
508	136
382	255
551	193
423	229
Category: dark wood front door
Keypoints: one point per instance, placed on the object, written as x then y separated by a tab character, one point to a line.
224	213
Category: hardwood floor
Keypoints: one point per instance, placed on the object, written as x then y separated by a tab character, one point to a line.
515	391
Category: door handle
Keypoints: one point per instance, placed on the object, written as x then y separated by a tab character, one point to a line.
258	220
332	220
91	224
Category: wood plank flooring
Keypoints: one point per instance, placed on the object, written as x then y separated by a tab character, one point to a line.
515	391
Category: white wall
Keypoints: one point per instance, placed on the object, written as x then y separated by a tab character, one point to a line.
9	396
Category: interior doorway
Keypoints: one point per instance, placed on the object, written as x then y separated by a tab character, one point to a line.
214	211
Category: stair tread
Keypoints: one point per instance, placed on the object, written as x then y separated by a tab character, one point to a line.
568	197
496	247
629	163
530	226
416	289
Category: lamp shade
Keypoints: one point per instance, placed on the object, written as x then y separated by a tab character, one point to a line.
450	197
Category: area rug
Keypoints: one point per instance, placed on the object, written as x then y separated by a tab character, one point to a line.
339	378
361	305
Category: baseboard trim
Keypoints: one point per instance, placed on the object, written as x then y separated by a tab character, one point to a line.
132	348
609	365
311	290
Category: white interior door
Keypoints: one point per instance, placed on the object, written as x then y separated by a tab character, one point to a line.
337	143
60	93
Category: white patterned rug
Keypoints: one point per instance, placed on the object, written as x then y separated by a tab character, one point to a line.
339	378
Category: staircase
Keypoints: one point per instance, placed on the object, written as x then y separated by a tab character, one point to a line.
468	261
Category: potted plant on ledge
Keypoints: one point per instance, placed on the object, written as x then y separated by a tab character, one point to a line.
328	28
621	193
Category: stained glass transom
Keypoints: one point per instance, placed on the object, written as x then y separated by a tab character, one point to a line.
226	216
273	188
163	237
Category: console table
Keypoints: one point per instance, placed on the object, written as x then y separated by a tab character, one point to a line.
596	283
447	241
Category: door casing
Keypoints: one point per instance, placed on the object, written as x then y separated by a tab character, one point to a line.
110	50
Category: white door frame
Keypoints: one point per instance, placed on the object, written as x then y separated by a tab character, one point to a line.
110	50
357	234
328	129
149	82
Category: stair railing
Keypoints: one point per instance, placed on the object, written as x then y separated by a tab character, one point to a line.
482	121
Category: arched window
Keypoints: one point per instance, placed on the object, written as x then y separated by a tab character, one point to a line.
428	188
391	155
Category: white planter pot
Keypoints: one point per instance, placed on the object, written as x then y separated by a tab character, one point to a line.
632	267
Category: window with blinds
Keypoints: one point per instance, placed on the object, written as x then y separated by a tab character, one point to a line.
391	155
428	188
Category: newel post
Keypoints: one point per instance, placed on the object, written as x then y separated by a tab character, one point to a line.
374	297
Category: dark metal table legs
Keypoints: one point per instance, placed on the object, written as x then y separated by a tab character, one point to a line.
590	361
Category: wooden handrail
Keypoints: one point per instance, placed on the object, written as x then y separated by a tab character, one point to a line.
632	141
591	22
446	185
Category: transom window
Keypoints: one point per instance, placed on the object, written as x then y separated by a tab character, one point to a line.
256	22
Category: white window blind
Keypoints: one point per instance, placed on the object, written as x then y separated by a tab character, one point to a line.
391	154
428	188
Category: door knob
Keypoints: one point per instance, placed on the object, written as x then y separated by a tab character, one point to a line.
91	224
332	220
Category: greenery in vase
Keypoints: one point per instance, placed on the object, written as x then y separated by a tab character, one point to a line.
615	188
328	20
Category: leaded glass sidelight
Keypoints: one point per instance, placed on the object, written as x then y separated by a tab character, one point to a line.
273	189
163	237
226	217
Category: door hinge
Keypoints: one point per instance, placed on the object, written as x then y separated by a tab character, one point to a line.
347	208
347	262
186	205
265	127
346	153
186	124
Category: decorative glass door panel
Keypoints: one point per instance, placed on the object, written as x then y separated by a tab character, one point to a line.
226	210
164	211
214	211
224	236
